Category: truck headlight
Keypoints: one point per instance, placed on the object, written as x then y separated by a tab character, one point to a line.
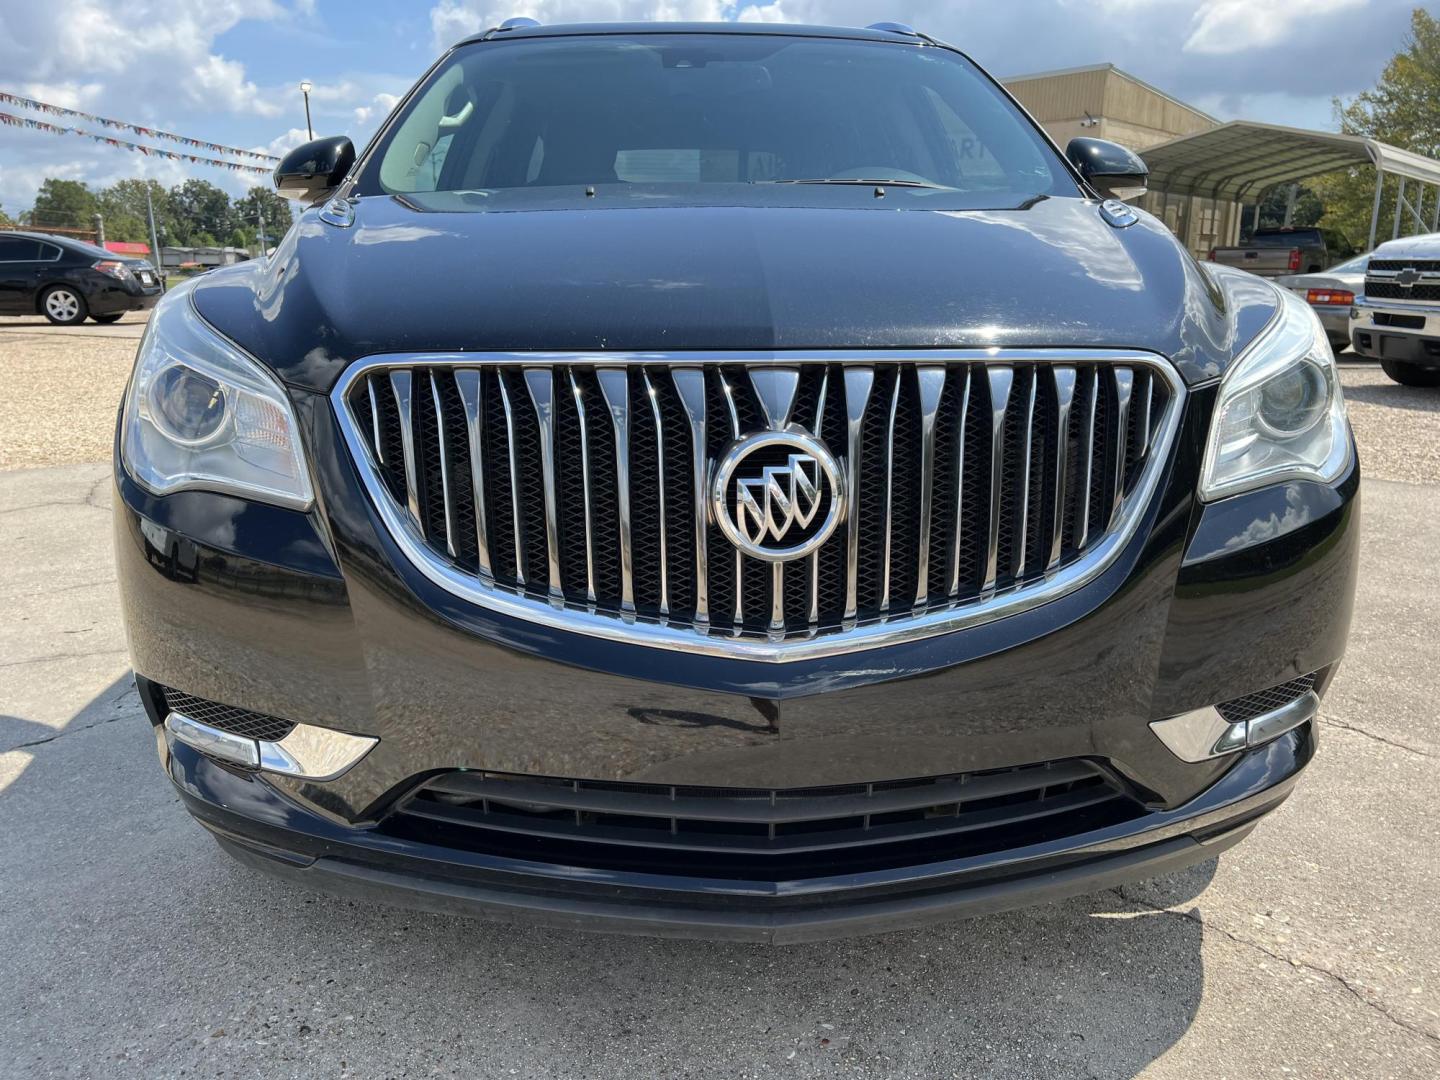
1281	415
199	413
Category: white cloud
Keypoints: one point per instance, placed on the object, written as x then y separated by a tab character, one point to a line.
1228	26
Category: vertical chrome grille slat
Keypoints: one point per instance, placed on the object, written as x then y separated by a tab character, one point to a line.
959	488
1022	533
814	615
1087	447
586	487
859	381
1142	427
445	495
1064	380
889	525
376	444
1001	380
690	388
400	385
522	563
615	389
660	492
467	382
1124	385
729	395
540	382
931	383
1038	485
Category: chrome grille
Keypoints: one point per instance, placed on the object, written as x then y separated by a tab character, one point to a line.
1381	280
574	490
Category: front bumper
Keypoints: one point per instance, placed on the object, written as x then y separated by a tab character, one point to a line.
262	828
1397	331
316	618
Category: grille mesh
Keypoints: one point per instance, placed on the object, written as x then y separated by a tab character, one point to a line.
1263	701
242	722
993	526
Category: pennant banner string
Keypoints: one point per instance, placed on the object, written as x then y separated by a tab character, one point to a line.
120	125
10	120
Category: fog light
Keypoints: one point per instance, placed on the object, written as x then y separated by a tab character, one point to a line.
1202	734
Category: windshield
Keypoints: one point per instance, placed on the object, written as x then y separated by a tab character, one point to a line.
709	109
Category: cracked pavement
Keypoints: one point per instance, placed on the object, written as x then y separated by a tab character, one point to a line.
133	947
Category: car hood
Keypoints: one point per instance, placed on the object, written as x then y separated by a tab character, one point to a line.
1409	247
622	276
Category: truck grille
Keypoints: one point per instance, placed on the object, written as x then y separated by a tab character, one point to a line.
760	834
1381	280
584	488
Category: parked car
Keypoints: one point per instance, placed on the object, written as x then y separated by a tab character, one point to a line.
1331	293
1277	252
65	280
1397	320
732	481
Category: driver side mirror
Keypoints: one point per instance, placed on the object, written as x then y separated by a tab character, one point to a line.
1111	169
311	172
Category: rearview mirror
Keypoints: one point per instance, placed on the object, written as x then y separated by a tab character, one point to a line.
311	172
1111	169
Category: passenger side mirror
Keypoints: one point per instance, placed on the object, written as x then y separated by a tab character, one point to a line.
311	172
1111	169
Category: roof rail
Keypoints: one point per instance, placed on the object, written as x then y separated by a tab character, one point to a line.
895	28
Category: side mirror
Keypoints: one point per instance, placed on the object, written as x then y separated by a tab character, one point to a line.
1112	170
311	172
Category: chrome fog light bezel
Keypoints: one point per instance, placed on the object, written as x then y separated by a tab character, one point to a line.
308	752
1203	734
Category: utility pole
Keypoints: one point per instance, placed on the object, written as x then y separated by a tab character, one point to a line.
154	237
99	223
260	218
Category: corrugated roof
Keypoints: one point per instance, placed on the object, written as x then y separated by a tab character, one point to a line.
1239	160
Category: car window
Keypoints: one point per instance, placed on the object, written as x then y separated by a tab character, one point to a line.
708	109
1356	265
19	249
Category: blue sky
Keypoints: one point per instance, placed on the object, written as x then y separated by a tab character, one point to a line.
227	71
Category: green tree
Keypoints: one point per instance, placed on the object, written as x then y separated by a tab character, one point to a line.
1308	208
1403	109
262	200
200	209
5	218
63	204
126	214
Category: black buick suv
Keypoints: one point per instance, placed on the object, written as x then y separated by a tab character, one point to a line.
731	481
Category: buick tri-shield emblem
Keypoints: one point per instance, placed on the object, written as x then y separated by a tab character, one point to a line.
776	495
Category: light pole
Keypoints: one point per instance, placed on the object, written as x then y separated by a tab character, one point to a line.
305	89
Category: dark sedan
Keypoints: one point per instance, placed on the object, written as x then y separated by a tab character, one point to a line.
67	280
734	481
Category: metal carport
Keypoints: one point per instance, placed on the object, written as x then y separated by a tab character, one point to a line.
1237	161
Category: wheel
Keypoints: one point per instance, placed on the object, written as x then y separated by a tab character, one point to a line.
108	319
1410	375
62	305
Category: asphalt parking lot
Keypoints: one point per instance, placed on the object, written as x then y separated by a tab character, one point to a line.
131	946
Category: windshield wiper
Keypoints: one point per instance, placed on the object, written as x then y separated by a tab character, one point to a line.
858	181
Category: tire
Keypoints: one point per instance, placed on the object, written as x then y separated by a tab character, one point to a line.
106	320
1409	374
63	305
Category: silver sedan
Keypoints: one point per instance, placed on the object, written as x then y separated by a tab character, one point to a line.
1331	293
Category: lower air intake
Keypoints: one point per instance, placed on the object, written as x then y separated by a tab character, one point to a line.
242	722
760	834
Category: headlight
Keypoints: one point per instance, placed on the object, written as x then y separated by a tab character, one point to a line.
201	414
1280	415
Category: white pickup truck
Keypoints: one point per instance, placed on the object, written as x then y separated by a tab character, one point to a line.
1397	321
